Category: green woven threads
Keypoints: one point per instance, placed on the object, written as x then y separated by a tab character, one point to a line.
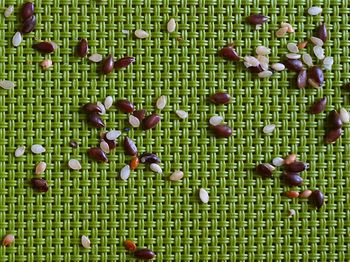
246	218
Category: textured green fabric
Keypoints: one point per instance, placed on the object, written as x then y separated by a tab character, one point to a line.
246	218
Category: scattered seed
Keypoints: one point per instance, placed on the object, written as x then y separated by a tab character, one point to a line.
91	108
104	146
258	27
182	114
27	10
44	47
292	179
291	212
256	19
176	175
17	39
222	131
108	102
307	59
134	121
103	109
229	53
95	120
74	164
292	194
28	26
171	26
6	84
161	102
293	64
344	115
302	45
73	144
268	129
40	168
220	98
321	32
316	41
124	62
134	163
332	135
319	106
302	79
315	74
125	172
125	32
113	134
282	31
20	151
125	106
255	69
37	149
97	154
150	121
314	10
264	62
46	64
111	143
82	47
9	11
265	74
216	120
140	114
290	159
139	33
289	27
107	65
85	242
144	254
149	158
203	195
278	161
328	63
156	168
96	58
296	167
40	184
130	147
130	245
305	194
264	170
317	199
8	240
292	48
319	52
251	61
334	120
278	67
262	50
270	167
293	56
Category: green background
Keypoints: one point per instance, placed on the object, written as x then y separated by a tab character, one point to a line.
246	217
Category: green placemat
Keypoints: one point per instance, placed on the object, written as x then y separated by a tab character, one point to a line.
246	218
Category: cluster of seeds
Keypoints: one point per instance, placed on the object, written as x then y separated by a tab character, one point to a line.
139	253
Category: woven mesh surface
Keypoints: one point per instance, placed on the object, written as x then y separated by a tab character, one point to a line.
246	218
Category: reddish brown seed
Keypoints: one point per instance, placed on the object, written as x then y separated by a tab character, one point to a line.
264	171
125	106
140	114
255	69
124	62
73	144
107	65
292	194
302	79
302	45
44	47
317	199
27	10
332	135
149	158
130	147
28	25
144	254
95	120
305	194
150	121
134	162
334	121
316	74
111	143
91	108
220	98
319	106
290	159
296	166
222	130
40	184
82	47
97	154
256	19
130	245
292	179
321	32
294	64
229	53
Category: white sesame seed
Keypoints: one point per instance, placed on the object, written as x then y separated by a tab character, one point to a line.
314	10
125	172
95	58
203	195
316	41
282	31
85	242
20	151
292	47
6	84
134	121
171	26
17	39
328	63
74	164
268	129
262	50
344	115
216	120
40	168
104	146
139	33
278	161
278	66
293	56
9	11
251	61
319	52
102	107
161	102
182	114
264	62
156	168
265	74
307	59
113	134
289	27
37	149
108	102
176	175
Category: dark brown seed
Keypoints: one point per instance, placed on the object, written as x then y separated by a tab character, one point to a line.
125	106
220	98
150	121
294	64
144	253
317	199
296	166
256	19
95	120
302	79
321	32
222	130
316	74
28	25
73	144
27	10
346	86
264	171
319	106
40	184
149	158
229	53
124	62
111	143
140	114
292	179
332	135
107	65
130	147
44	47
334	121
82	47
91	108
255	69
97	154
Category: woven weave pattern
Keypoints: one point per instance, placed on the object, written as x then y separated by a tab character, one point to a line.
246	217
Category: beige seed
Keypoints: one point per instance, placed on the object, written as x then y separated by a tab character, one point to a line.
262	50
270	167
290	159
314	10
85	242
102	107
125	172
46	64
203	195
278	161
113	134
139	33
9	11
96	58
307	59
20	151
161	102
292	48
171	26
156	168
134	121
8	240
176	175
40	168
278	66
319	52
251	61
17	39
182	114
344	115
305	194
316	41
289	27
108	102
328	63
6	84
216	120
293	56
104	146
265	74
74	164
37	149
282	31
